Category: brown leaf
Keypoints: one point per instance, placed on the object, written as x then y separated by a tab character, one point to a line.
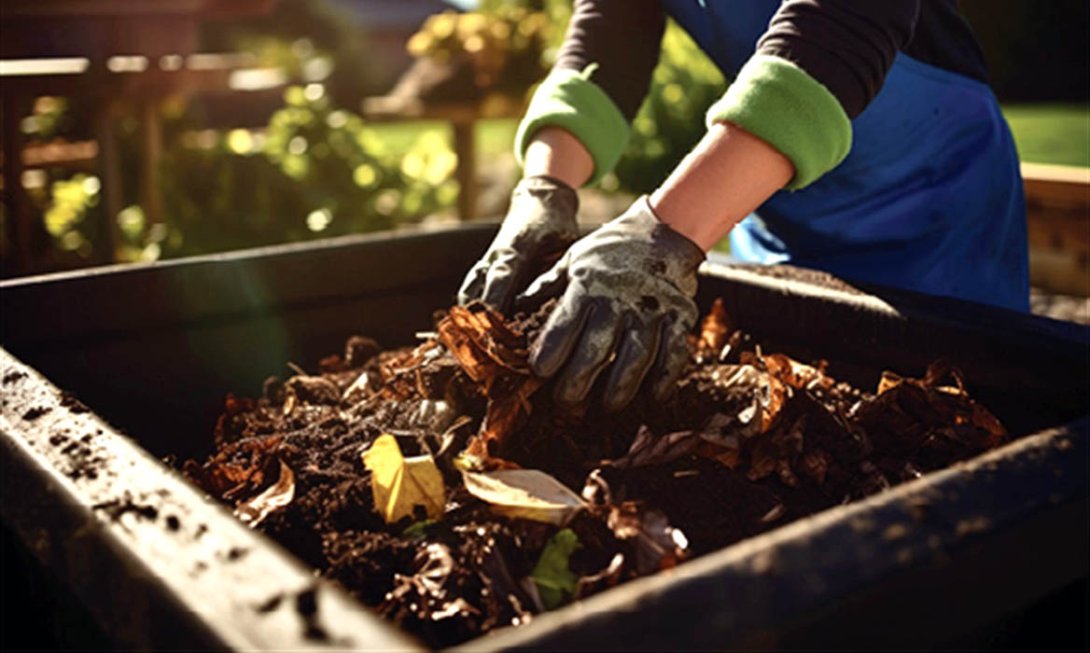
254	510
793	373
482	343
239	469
427	593
493	355
714	331
507	406
911	417
658	545
649	449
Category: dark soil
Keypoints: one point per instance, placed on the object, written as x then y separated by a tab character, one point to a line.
749	441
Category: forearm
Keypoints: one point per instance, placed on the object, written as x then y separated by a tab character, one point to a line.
556	153
725	178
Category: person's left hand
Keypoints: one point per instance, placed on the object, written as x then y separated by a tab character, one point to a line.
626	302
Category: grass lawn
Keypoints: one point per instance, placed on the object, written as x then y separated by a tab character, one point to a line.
1051	133
494	137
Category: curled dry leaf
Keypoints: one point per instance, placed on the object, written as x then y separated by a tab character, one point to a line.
648	449
506	408
911	417
607	577
482	343
658	545
428	592
278	495
525	494
714	331
493	355
239	469
793	373
363	386
400	484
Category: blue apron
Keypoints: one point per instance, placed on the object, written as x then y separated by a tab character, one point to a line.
929	198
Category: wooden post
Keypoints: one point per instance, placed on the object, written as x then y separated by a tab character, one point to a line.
150	195
109	161
466	172
18	218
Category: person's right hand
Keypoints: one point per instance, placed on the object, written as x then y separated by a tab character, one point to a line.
539	227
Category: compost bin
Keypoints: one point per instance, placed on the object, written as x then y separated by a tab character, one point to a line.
106	372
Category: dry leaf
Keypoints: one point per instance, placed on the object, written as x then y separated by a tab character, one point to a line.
648	449
493	355
795	374
658	545
276	496
912	416
482	343
525	494
714	330
400	484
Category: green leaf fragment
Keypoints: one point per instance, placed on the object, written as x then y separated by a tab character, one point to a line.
419	529
554	578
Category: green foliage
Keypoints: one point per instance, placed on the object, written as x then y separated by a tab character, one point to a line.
73	199
553	576
47	118
315	171
671	119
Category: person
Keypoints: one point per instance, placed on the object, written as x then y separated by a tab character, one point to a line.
856	137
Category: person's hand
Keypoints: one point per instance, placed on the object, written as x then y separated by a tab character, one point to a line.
539	226
626	302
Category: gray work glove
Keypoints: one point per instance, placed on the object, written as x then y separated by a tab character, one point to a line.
626	298
540	224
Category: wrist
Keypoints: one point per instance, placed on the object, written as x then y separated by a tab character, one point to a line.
725	178
544	198
556	153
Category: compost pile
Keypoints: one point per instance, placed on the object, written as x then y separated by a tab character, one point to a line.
441	484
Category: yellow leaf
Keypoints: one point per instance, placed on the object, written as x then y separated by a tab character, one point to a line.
398	484
525	494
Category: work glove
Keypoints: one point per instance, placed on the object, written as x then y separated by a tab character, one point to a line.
540	224
626	302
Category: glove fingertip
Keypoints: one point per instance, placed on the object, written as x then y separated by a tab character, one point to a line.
497	293
554	345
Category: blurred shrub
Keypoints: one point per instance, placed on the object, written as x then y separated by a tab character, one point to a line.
504	45
671	119
315	171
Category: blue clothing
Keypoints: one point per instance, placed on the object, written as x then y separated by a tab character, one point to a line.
929	198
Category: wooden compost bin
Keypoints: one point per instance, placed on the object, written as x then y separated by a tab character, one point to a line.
150	351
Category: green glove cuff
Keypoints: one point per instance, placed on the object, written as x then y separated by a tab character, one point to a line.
568	99
781	104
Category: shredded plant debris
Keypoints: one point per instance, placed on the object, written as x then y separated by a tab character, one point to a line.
441	485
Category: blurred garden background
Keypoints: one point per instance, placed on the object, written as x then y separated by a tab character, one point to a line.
201	127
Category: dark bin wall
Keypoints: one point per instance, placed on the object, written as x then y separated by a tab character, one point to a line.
154	350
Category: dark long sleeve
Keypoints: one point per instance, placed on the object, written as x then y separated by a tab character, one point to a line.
846	45
817	66
623	37
849	45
